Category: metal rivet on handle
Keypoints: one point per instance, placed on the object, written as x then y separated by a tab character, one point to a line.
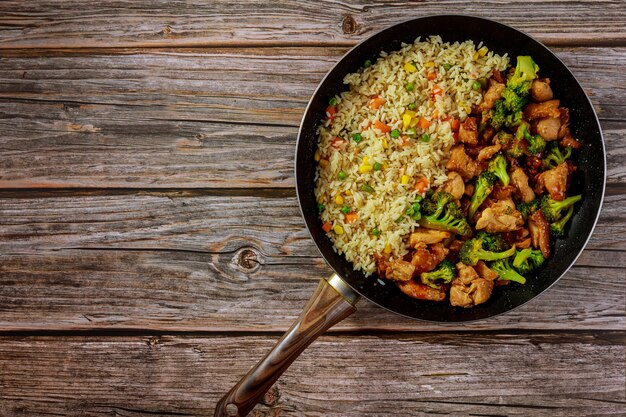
232	410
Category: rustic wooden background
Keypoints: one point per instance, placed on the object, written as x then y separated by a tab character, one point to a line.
151	247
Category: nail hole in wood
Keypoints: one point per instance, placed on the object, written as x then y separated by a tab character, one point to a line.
349	25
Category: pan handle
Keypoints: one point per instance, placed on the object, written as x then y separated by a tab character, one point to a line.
332	302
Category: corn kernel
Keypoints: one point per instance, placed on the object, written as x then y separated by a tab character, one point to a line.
429	64
348	192
320	200
476	55
406	120
385	144
387	249
408	67
365	160
316	156
483	51
338	199
338	229
324	163
405	179
365	168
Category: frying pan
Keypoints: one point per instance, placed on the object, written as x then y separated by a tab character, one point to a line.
335	297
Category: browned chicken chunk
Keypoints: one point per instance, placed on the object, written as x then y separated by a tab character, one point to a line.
548	108
548	128
493	94
571	142
500	217
468	131
540	90
400	270
554	181
485	272
454	185
427	236
539	229
520	181
468	289
461	163
425	259
421	291
488	151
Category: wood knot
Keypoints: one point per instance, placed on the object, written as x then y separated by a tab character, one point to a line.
153	341
349	25
167	31
247	259
271	397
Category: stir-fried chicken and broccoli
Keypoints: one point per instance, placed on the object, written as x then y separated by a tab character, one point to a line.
492	221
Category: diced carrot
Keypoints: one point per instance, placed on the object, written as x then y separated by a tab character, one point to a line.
331	111
431	75
436	114
424	123
445	118
455	135
404	140
455	124
376	102
350	217
437	91
382	127
421	185
326	227
338	143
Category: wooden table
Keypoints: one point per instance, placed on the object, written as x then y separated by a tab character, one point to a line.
151	246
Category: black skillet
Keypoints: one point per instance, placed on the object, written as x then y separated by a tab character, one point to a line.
334	298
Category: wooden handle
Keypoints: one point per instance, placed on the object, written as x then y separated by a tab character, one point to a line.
332	302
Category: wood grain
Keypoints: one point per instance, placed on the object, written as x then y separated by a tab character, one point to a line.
192	23
371	375
206	262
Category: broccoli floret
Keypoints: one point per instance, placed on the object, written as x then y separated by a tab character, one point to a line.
555	157
449	219
552	209
445	272
506	272
525	72
511	101
504	139
528	209
500	116
536	143
497	166
557	228
493	241
436	202
472	251
482	189
527	260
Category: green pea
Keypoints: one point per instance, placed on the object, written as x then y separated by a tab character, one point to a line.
411	106
411	132
375	232
425	137
345	209
367	188
342	175
447	67
332	101
476	85
395	133
357	137
320	207
409	87
367	63
377	166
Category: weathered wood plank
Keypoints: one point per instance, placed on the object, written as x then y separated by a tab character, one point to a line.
156	23
155	262
422	375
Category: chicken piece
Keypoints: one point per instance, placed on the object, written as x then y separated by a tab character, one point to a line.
454	185
461	163
564	117
497	76
469	190
468	131
554	181
488	151
486	135
493	94
485	272
568	140
548	108
425	260
501	192
539	229
540	90
500	217
382	262
400	270
427	236
421	291
520	181
524	243
548	128
468	289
